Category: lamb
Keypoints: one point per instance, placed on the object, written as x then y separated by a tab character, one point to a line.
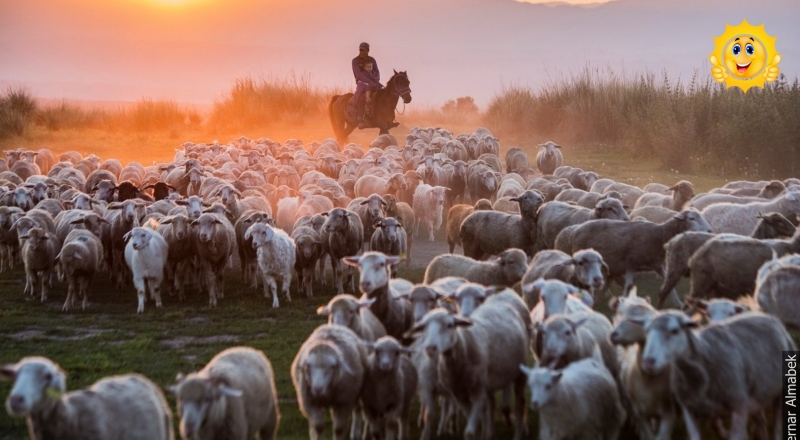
741	219
578	402
390	382
553	217
215	243
456	216
585	268
38	254
777	288
727	266
428	205
127	407
369	210
248	256
405	214
729	368
328	372
681	247
470	367
232	397
393	312
78	261
276	258
342	236
549	157
506	270
649	394
682	193
177	233
479	230
123	217
390	238
146	254
482	181
628	247
348	311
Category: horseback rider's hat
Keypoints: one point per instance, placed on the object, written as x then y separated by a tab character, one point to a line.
364	46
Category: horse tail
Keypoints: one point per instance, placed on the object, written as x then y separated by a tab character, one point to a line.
336	123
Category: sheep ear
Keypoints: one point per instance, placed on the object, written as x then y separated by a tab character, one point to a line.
637	321
525	369
578	323
555	145
247	234
231	392
127	236
369	302
557	376
346	368
8	373
462	322
364	202
351	261
687	322
75	222
323	310
614	303
414	330
393	260
377	224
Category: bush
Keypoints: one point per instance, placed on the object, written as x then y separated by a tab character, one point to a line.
17	106
682	125
464	106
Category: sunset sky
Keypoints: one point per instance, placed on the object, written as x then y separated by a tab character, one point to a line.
192	50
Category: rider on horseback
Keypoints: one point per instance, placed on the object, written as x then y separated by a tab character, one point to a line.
366	81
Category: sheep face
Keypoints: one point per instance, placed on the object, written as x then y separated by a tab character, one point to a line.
514	264
35	380
590	268
105	190
390	227
38	191
139	238
631	312
24	225
322	367
554	295
36	238
529	201
83	202
180	225
560	333
260	233
338	221
23	199
8	216
194	206
375	269
612	209
423	299
438	329
386	354
719	309
398	182
489	180
307	246
438	194
206	227
543	383
228	194
93	223
470	296
196	398
667	338
344	310
780	224
694	221
375	204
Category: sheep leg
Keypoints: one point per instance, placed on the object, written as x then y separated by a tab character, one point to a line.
760	422
155	291
286	282
665	426
212	288
44	278
341	421
487	422
628	281
220	283
692	428
316	423
738	424
141	289
84	290
28	284
506	405
520	427
430	230
337	275
427	412
373	426
475	415
391	428
70	294
308	279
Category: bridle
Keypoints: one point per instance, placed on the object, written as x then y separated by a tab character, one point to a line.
400	91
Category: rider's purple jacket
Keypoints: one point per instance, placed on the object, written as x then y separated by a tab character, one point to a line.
364	76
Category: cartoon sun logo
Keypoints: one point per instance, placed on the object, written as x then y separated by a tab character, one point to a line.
748	57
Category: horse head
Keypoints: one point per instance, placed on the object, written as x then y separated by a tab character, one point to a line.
401	86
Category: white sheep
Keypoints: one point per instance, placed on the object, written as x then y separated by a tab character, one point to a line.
731	368
390	238
215	241
38	254
127	407
682	193
428	205
504	270
348	311
328	372
276	258
554	216
549	157
742	219
390	382
232	397
146	254
577	402
585	268
777	290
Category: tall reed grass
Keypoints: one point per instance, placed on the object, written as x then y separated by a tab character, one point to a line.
686	126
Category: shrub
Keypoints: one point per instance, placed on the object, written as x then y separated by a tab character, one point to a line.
17	106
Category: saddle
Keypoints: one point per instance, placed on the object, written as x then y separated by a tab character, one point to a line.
352	113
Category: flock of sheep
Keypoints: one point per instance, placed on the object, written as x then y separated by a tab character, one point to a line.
559	235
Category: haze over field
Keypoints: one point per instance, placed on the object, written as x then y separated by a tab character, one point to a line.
192	50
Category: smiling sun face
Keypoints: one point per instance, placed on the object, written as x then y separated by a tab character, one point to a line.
745	57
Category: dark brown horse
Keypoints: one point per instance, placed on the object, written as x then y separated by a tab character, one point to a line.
384	102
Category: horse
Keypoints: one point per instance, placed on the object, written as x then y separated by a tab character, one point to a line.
384	102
